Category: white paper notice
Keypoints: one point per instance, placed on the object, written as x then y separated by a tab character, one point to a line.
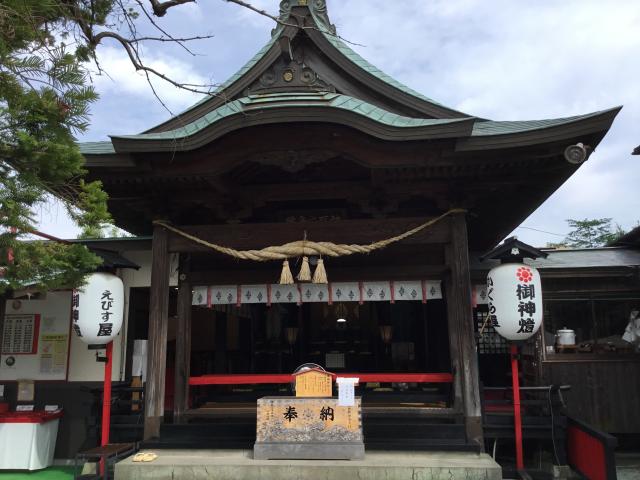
346	396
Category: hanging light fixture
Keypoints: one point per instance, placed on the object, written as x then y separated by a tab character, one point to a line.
292	335
386	333
341	313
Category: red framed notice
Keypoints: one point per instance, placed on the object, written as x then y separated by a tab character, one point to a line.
20	334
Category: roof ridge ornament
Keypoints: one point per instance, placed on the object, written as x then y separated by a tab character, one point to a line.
317	8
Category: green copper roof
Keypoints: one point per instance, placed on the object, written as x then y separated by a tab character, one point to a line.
491	128
259	105
323	106
317	8
96	148
256	103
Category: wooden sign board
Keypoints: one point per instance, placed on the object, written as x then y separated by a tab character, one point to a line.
308	428
281	419
313	383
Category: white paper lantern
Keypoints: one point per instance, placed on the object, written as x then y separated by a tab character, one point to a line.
514	291
97	309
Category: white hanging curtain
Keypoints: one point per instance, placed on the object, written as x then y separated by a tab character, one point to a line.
385	291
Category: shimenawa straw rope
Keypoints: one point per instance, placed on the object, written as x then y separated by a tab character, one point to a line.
306	247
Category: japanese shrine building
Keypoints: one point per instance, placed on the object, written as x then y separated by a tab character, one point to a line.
309	140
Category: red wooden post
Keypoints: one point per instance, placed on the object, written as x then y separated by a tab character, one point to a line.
106	401
517	420
106	398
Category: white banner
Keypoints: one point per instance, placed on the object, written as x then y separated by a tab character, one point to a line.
383	291
479	295
345	292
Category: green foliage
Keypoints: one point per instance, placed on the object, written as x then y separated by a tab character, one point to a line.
591	233
44	102
49	265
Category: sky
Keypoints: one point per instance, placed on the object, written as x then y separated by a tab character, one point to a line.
496	59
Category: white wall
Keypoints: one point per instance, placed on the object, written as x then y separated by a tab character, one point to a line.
142	277
82	365
50	360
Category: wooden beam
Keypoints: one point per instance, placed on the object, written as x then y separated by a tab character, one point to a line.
157	342
461	331
183	342
251	236
336	274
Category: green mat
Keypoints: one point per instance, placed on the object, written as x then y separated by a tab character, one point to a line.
51	473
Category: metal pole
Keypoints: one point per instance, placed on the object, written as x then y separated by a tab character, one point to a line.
517	419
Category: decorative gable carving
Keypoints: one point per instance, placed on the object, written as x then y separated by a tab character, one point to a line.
289	75
318	9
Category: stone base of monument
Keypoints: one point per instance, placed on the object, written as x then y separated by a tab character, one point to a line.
313	428
226	464
308	451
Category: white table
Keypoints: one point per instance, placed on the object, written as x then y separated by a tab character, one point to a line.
28	439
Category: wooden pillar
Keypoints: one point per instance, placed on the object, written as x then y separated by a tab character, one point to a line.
461	331
157	342
183	342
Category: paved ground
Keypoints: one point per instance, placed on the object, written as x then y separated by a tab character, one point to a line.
628	469
628	466
51	473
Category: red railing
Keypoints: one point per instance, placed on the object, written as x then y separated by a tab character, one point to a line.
267	378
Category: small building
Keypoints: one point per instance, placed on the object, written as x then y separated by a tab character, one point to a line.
310	139
310	142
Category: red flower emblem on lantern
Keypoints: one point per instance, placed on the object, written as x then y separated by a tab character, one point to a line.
524	274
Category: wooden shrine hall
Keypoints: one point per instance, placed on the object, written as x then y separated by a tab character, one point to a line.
310	142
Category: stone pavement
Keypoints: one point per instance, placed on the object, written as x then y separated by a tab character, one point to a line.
628	466
239	464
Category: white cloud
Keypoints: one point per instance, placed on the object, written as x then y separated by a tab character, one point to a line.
123	79
510	60
503	60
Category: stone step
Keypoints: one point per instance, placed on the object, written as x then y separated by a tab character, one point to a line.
225	464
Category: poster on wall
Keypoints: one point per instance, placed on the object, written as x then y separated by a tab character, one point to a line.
53	353
20	334
35	338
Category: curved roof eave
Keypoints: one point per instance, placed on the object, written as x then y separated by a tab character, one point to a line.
287	108
490	135
269	109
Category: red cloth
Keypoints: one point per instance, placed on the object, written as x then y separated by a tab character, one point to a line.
29	417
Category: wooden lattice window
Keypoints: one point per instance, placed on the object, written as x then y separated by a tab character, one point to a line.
489	342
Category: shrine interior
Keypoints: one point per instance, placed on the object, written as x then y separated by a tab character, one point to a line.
409	337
